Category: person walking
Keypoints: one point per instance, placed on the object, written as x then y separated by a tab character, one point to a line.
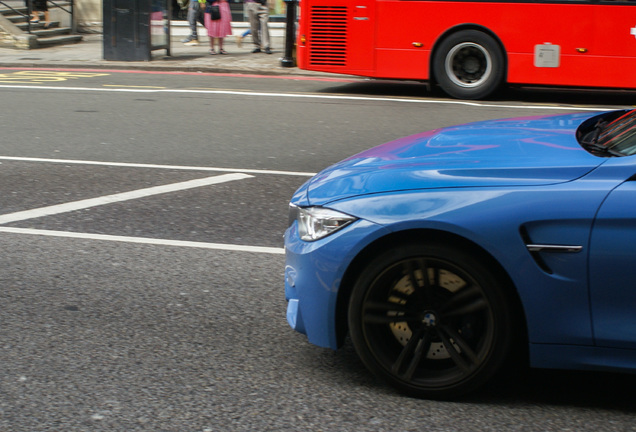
219	28
195	15
258	14
41	6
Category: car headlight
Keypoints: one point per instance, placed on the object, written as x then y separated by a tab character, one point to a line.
315	223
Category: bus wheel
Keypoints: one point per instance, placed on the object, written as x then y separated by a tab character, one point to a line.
469	65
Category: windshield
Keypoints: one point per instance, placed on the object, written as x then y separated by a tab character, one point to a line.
610	134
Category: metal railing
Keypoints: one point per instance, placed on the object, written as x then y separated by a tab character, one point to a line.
67	7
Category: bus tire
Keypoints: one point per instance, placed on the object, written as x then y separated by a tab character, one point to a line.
469	64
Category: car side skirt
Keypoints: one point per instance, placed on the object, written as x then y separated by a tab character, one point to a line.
549	356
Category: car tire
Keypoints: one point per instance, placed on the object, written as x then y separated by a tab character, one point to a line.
469	64
439	336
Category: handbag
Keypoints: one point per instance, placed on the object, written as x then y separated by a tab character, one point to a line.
215	12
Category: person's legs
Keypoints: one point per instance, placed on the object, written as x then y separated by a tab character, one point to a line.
37	8
194	12
192	19
212	45
252	13
263	18
200	13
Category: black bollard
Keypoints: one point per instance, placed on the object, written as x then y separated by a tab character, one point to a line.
290	34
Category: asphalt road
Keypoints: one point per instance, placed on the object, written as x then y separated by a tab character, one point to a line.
134	298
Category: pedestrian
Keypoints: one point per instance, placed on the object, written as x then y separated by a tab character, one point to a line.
41	6
258	13
218	28
195	15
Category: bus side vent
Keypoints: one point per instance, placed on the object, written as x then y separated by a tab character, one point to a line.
328	36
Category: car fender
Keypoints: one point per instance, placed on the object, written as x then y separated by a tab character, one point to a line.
502	221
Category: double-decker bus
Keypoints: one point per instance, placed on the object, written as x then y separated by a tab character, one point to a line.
471	48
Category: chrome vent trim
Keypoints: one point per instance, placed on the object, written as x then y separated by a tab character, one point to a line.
554	248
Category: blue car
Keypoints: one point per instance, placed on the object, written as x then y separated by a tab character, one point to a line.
446	255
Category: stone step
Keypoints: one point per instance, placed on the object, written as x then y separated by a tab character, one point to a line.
15	12
58	40
8	11
38	26
15	18
52	31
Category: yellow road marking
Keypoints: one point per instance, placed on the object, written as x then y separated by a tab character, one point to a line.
45	76
132	86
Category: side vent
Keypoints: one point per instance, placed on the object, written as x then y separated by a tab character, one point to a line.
328	36
535	255
542	250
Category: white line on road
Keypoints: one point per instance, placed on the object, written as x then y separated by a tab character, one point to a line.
306	96
125	196
143	240
171	167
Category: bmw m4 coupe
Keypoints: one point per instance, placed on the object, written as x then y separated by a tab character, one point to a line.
443	253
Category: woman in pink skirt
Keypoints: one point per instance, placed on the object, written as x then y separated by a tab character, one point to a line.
218	29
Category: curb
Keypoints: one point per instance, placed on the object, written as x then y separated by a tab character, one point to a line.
87	54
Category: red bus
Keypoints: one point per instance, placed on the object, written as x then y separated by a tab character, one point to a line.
471	48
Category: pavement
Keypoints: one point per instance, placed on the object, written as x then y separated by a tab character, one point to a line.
88	54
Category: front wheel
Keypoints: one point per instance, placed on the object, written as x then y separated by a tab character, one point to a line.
431	320
469	64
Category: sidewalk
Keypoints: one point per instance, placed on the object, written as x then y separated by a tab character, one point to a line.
89	54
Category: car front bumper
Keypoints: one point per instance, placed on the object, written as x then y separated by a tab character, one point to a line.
313	274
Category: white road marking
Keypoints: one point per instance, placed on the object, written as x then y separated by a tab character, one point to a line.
236	175
308	96
143	240
125	196
171	167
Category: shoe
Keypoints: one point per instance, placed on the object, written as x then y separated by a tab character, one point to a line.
222	51
212	52
188	39
47	26
193	42
268	51
256	50
239	41
34	21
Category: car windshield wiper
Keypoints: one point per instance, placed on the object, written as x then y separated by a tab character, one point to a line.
591	138
598	148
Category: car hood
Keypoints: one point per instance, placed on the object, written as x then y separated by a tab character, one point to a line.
509	152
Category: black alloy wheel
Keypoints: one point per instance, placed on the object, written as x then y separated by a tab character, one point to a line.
431	320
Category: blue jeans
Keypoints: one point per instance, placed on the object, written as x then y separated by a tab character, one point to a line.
195	14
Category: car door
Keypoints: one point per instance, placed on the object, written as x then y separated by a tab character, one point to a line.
613	269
